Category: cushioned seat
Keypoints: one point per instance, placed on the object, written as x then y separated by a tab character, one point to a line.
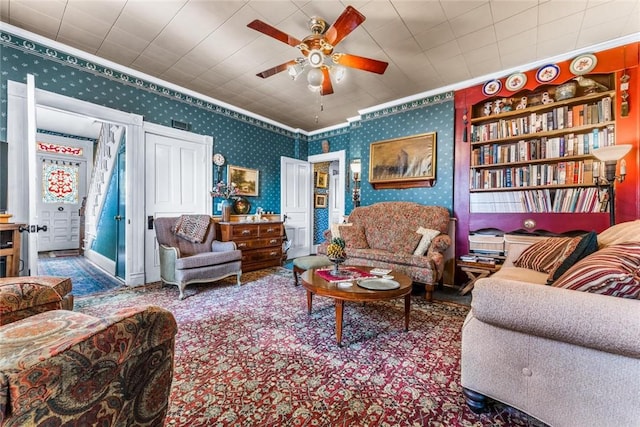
191	254
304	263
22	297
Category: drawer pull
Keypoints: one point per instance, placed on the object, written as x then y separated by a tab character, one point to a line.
270	230
242	245
273	241
273	253
246	231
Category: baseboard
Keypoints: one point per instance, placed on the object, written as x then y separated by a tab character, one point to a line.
101	261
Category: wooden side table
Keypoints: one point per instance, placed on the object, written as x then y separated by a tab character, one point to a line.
12	251
475	271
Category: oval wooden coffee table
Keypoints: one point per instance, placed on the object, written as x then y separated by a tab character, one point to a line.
314	284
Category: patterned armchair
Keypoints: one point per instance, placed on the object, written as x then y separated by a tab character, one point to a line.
189	252
65	368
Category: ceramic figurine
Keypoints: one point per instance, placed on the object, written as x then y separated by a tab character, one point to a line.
487	109
522	104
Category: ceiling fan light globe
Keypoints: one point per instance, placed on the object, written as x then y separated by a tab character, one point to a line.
315	77
339	73
315	58
294	71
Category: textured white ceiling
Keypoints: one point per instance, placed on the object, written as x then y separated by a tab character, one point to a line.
206	46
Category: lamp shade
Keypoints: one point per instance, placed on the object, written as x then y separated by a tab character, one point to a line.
356	166
612	153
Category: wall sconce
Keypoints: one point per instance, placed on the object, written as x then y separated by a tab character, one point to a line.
356	168
610	156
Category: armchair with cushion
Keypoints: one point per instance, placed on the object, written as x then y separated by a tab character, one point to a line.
61	367
189	252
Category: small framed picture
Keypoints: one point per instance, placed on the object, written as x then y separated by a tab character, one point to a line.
245	179
320	201
322	180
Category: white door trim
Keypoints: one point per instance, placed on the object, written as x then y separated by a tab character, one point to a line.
17	192
341	157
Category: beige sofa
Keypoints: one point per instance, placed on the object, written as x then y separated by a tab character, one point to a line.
566	357
390	229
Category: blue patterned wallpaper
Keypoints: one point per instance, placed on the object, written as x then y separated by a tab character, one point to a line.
434	114
243	140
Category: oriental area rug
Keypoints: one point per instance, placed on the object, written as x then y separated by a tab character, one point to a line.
250	355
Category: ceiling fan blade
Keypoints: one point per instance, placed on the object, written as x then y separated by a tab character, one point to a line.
347	22
360	62
267	29
275	70
327	87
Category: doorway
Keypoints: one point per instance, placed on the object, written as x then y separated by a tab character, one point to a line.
18	179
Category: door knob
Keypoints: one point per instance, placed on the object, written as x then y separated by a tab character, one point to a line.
117	217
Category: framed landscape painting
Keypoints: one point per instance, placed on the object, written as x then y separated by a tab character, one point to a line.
409	160
245	179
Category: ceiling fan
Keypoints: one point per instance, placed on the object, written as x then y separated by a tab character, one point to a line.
317	49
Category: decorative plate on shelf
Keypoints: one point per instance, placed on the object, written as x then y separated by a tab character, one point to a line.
241	206
583	64
515	81
548	73
491	87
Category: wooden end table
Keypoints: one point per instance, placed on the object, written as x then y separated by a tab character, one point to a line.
314	284
475	271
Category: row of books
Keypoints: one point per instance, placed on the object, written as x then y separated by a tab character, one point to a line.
480	259
582	200
564	117
543	148
535	175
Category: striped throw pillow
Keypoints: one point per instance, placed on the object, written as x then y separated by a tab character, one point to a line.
543	255
614	270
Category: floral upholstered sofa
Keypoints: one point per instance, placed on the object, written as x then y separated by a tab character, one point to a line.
60	367
404	236
562	346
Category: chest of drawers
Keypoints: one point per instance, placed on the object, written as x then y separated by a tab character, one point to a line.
260	243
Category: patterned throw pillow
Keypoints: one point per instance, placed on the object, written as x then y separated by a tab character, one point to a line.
542	255
610	271
335	229
577	249
354	237
192	227
405	243
427	236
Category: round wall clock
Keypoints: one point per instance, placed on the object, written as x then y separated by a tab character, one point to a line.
218	159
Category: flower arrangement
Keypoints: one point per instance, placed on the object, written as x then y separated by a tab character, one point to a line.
225	191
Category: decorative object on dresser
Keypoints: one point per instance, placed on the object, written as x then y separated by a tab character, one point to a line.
260	242
403	162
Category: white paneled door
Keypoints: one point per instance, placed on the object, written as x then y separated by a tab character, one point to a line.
177	181
295	204
61	214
